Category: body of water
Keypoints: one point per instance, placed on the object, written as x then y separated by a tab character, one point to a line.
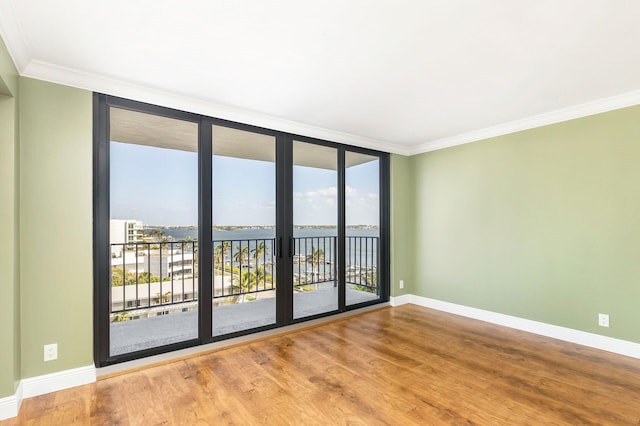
264	233
360	251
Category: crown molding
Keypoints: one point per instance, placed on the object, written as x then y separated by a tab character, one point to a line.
21	54
12	35
93	82
22	57
578	111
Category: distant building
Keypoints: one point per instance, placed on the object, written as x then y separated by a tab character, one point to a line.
168	264
124	232
128	262
171	264
174	267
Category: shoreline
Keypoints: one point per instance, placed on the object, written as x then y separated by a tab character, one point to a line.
244	227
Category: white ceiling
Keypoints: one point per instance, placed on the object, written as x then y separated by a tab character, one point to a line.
404	76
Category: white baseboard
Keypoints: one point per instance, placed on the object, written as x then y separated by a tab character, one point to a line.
609	344
401	300
10	405
34	386
39	385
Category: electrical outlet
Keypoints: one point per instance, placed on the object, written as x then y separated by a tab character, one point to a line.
603	320
51	352
401	283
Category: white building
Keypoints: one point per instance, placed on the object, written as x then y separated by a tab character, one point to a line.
172	263
153	298
124	232
129	261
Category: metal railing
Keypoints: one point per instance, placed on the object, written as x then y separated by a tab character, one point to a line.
149	274
152	277
241	267
362	259
314	262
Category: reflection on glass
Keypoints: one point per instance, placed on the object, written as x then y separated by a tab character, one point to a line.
315	220
153	231
244	264
362	211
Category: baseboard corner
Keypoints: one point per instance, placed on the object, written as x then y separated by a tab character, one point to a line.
401	300
10	405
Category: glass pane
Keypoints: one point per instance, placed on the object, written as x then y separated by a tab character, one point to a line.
153	231
244	218
315	229
362	211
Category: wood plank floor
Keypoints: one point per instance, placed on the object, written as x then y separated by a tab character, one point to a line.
404	365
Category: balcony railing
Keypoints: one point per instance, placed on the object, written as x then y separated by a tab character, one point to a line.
153	275
242	267
362	258
314	261
153	278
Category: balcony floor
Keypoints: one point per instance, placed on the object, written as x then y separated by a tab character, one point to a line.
145	333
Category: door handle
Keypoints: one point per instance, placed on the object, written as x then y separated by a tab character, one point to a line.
279	248
292	247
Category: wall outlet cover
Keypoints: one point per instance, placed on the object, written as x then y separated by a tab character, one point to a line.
603	320
51	352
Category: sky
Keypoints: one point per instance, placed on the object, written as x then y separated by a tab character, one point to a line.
160	187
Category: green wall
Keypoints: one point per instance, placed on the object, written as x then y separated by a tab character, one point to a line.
542	224
56	225
402	221
9	227
8	73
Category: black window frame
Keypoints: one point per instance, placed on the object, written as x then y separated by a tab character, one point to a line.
284	224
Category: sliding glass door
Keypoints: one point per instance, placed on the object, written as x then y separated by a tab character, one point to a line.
315	229
362	227
207	229
153	220
244	230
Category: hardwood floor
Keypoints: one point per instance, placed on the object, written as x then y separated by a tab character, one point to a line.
403	365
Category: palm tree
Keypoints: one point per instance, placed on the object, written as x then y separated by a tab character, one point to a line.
186	242
156	234
260	276
218	256
258	252
226	246
241	255
243	284
316	257
220	253
219	259
165	241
